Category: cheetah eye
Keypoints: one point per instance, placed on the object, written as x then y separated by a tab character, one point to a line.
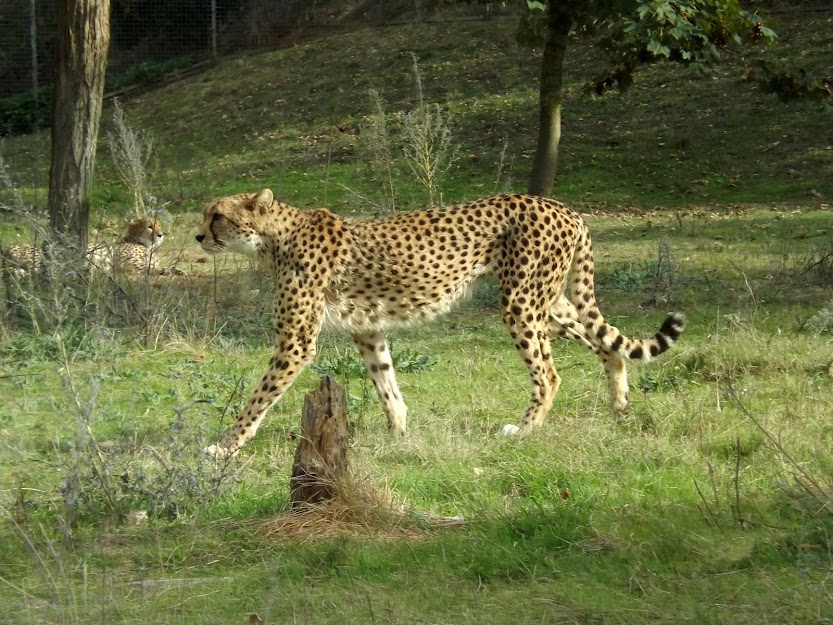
216	217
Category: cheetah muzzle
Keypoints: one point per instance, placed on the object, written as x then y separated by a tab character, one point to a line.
369	276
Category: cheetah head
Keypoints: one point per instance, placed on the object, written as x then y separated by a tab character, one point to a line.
234	223
145	230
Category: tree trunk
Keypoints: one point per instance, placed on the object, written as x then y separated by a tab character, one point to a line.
83	40
559	22
321	466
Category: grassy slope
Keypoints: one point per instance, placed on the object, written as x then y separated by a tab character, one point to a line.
673	140
587	521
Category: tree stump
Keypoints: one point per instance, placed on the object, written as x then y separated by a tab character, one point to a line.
320	468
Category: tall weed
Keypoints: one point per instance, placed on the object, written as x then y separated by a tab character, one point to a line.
423	137
131	151
378	152
428	146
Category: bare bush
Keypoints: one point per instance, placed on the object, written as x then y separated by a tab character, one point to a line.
378	150
811	490
428	146
127	479
817	268
822	321
132	151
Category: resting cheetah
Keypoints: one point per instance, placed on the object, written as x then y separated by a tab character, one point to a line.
368	276
133	252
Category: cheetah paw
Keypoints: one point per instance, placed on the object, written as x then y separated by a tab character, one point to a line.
218	453
510	430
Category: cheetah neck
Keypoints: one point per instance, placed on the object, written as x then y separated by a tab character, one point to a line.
276	231
134	241
281	221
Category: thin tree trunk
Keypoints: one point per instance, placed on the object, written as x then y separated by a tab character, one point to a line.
559	22
83	41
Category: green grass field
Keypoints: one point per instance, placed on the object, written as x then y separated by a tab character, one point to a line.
711	504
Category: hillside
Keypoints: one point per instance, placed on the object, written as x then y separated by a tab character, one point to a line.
289	119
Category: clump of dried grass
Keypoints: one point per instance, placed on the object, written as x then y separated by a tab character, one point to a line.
361	509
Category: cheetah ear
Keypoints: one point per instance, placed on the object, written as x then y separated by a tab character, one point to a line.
262	201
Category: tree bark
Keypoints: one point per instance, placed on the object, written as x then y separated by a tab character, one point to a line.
321	466
83	41
559	22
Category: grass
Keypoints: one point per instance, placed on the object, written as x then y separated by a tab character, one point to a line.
586	520
687	512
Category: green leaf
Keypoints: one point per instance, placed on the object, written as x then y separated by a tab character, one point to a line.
658	49
678	32
768	33
536	6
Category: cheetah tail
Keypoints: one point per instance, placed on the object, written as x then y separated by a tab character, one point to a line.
581	293
646	349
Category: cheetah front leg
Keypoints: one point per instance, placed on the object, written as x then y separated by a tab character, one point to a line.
376	355
297	330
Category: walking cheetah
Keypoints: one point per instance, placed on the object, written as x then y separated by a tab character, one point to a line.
132	252
368	276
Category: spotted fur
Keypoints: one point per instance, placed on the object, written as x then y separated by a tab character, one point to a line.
369	276
133	252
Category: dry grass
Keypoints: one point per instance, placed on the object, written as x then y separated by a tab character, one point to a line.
361	510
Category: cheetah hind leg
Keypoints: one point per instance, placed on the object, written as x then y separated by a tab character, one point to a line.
564	322
533	346
377	359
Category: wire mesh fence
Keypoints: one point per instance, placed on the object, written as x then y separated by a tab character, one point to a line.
167	39
145	35
153	36
150	36
142	31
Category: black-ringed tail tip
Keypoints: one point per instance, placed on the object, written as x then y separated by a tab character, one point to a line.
669	333
641	349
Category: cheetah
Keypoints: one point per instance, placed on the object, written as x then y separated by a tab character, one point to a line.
369	276
133	252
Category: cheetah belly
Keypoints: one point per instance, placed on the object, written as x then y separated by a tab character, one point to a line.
377	312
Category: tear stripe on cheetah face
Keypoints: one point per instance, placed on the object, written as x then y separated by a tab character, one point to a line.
367	276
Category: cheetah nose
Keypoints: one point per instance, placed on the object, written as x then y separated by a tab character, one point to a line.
200	237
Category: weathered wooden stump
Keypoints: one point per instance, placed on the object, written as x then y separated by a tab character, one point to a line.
321	467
